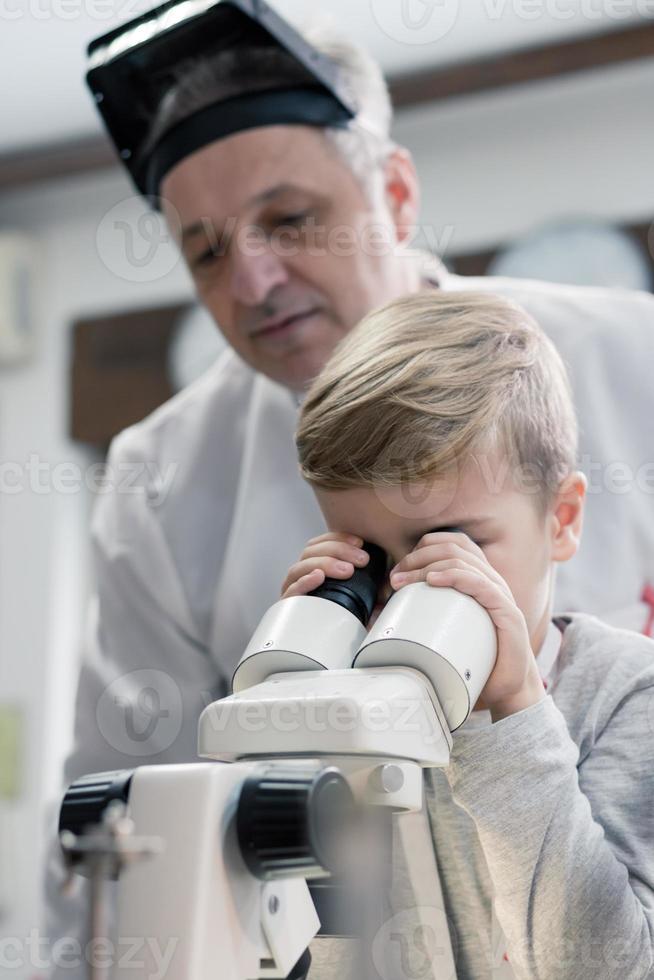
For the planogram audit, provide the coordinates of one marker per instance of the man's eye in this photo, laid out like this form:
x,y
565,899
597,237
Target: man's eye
x,y
294,219
205,258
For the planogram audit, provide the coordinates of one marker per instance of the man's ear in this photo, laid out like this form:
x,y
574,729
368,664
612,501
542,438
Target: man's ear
x,y
402,192
567,516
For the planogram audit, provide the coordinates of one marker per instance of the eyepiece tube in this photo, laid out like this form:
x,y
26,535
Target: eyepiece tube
x,y
357,594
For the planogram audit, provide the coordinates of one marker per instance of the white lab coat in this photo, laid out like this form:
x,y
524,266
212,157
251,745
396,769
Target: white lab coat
x,y
183,581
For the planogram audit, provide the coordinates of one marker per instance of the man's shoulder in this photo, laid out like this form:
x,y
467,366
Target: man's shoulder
x,y
600,667
543,291
178,448
209,403
551,303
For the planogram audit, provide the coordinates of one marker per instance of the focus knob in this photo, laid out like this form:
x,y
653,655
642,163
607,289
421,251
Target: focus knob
x,y
88,797
289,821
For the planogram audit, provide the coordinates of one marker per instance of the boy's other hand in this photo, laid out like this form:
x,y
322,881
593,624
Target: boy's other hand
x,y
330,555
450,559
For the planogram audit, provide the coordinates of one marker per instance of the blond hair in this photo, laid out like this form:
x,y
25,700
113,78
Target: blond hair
x,y
429,378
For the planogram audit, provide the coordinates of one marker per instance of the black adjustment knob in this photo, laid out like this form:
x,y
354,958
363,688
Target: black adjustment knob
x,y
89,796
289,821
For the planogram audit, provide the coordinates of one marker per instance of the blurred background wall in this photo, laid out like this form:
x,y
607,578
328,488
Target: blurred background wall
x,y
495,165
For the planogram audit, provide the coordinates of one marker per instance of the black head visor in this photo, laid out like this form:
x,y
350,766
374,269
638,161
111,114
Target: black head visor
x,y
134,67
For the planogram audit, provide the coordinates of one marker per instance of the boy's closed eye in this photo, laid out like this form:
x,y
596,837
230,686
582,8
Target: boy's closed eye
x,y
420,541
439,545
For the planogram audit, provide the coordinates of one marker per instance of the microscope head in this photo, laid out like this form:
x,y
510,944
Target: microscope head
x,y
431,649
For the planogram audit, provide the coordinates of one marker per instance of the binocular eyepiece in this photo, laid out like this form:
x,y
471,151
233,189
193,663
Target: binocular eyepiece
x,y
358,594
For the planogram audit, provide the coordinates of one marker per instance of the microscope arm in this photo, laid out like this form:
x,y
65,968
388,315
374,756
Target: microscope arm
x,y
199,906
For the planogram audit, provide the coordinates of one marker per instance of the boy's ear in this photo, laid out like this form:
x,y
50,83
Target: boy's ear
x,y
568,515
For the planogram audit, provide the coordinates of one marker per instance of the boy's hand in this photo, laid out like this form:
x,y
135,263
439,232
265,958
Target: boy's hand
x,y
450,559
331,555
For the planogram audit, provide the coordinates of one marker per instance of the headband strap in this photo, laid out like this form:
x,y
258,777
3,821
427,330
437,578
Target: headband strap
x,y
309,106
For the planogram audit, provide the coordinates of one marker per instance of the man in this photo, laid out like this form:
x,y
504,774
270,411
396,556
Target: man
x,y
292,232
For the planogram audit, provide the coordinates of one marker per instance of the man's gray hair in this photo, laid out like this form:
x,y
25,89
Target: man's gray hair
x,y
367,141
363,145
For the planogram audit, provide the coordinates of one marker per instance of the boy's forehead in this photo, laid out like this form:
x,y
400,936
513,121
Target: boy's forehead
x,y
402,511
472,496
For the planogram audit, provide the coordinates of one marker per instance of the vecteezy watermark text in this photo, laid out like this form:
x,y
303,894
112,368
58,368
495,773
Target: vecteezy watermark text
x,y
41,477
397,471
338,715
137,245
416,22
66,10
406,21
37,952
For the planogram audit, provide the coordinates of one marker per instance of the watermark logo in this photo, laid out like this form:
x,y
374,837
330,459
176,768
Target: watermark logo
x,y
415,21
415,944
404,482
136,243
140,713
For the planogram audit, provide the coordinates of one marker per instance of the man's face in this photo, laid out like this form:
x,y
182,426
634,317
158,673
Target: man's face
x,y
286,251
516,537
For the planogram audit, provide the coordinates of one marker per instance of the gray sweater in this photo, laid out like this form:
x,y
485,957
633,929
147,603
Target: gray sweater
x,y
543,831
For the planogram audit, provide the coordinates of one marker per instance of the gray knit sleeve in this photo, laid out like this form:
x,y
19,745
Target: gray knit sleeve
x,y
569,846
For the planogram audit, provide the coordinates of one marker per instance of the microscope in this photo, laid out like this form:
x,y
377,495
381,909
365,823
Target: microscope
x,y
284,834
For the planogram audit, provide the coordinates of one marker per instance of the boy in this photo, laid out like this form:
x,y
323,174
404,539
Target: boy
x,y
442,429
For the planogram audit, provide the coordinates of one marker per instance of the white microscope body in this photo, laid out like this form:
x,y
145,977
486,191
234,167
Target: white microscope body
x,y
321,710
